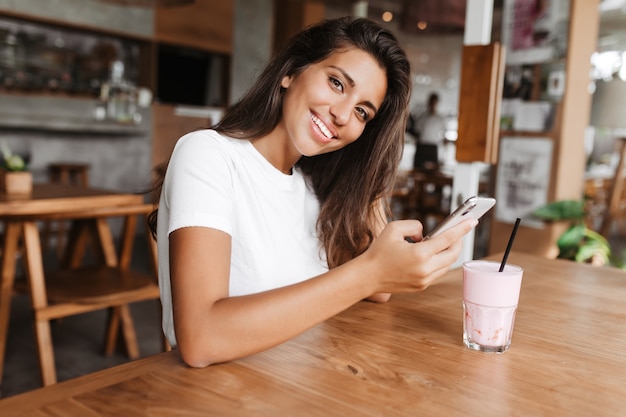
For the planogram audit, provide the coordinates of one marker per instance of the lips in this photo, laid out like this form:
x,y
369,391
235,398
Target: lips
x,y
322,127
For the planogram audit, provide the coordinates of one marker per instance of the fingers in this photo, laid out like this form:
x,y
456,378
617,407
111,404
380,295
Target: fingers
x,y
439,261
452,235
415,266
432,277
448,256
439,253
402,229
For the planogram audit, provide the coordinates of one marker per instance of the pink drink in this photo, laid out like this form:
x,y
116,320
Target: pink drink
x,y
490,301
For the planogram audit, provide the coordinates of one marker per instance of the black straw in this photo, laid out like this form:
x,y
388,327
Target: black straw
x,y
508,246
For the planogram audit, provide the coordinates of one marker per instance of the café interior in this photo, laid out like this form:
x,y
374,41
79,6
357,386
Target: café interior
x,y
95,93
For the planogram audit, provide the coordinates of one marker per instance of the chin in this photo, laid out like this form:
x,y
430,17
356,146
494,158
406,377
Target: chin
x,y
312,150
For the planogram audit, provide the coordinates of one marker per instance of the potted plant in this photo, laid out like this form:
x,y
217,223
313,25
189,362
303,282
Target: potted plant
x,y
14,175
578,242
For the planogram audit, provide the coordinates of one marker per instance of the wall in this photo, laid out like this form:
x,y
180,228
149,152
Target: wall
x,y
124,161
252,43
137,21
63,129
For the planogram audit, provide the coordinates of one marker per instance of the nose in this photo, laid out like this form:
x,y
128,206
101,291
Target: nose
x,y
340,110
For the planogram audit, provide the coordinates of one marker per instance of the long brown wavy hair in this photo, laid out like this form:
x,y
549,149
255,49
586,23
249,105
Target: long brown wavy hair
x,y
349,183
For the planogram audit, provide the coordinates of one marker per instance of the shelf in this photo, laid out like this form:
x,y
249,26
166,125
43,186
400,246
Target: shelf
x,y
70,125
527,133
42,113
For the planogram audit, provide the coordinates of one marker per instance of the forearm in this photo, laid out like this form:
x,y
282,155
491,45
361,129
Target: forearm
x,y
234,327
213,327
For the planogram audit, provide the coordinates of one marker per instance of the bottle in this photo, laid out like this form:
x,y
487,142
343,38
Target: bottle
x,y
119,95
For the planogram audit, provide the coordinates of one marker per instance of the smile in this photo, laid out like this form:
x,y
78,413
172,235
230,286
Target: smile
x,y
322,127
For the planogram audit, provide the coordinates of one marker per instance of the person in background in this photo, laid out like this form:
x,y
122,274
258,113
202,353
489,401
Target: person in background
x,y
275,219
430,129
430,125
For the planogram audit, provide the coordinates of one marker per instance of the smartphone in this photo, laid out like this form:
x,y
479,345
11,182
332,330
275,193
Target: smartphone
x,y
472,208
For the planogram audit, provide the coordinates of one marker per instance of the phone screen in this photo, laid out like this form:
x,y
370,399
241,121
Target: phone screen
x,y
472,208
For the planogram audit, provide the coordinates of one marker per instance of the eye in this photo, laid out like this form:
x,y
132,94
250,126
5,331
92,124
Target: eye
x,y
363,114
335,82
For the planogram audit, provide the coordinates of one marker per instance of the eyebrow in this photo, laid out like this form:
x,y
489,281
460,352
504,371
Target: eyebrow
x,y
351,82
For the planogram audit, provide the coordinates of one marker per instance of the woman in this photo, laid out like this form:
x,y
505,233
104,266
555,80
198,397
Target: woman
x,y
274,220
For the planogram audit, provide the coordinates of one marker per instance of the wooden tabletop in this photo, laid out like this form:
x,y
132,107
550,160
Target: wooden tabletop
x,y
52,198
403,358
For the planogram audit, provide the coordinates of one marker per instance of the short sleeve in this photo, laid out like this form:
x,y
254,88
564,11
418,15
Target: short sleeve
x,y
198,184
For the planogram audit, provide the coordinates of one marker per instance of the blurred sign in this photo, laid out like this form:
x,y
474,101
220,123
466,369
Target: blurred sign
x,y
535,31
523,178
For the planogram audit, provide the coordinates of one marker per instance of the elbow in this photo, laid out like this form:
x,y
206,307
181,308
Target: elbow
x,y
203,353
196,355
193,359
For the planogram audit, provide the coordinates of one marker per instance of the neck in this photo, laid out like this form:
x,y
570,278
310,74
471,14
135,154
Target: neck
x,y
278,150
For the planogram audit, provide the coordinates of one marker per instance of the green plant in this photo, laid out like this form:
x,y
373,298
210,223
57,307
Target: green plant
x,y
11,161
578,242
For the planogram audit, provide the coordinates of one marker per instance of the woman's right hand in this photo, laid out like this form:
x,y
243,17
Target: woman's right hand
x,y
398,265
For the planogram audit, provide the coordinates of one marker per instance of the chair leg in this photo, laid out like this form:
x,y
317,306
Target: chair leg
x,y
128,330
121,319
32,251
7,279
113,328
46,353
60,232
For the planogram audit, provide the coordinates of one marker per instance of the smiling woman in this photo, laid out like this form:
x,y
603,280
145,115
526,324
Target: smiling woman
x,y
275,219
339,95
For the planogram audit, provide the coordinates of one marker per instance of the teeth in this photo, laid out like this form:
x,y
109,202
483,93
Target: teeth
x,y
322,127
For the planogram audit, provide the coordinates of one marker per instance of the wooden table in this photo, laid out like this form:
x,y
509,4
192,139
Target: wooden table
x,y
20,214
403,358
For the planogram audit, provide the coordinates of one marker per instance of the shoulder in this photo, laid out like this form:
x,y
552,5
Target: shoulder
x,y
204,154
205,138
207,143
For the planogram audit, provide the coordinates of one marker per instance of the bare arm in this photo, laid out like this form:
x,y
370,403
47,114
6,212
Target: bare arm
x,y
379,222
212,327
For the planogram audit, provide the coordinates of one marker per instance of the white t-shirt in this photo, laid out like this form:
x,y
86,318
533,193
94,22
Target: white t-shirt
x,y
432,128
226,184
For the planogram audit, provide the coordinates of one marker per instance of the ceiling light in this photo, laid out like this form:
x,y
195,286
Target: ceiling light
x,y
387,16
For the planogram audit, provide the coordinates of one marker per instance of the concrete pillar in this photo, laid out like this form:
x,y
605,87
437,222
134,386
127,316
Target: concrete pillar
x,y
252,43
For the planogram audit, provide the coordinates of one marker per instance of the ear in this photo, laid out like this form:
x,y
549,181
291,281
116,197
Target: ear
x,y
286,81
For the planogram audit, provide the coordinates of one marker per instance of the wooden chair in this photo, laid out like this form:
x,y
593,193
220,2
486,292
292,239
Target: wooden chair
x,y
430,198
402,191
108,281
616,203
74,173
